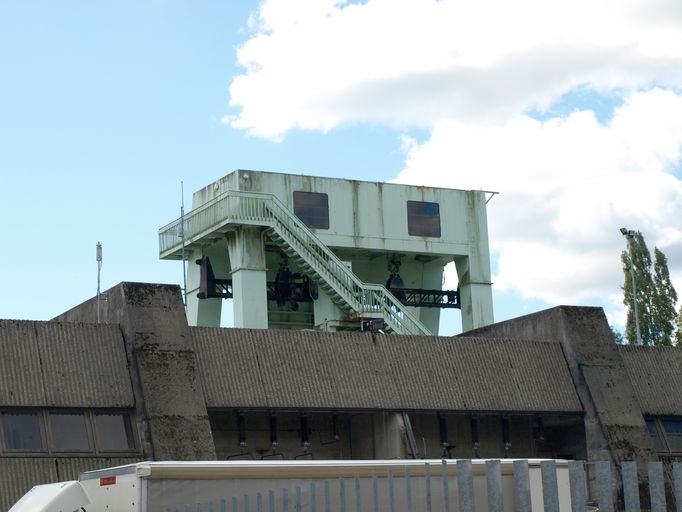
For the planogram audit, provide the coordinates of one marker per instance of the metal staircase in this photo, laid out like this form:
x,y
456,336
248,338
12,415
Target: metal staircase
x,y
354,298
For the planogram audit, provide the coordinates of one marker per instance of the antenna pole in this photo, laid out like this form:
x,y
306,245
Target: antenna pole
x,y
98,256
182,238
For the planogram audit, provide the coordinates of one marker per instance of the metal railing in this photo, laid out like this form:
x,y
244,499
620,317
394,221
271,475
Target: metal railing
x,y
253,208
460,486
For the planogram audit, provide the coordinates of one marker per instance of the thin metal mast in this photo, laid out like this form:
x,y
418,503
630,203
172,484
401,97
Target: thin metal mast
x,y
182,238
98,256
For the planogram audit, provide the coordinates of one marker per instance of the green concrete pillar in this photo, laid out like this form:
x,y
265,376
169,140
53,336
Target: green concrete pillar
x,y
205,312
249,280
473,270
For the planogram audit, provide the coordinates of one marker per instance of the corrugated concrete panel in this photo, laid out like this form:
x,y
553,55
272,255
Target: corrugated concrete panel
x,y
57,364
300,369
228,367
656,376
84,365
21,382
291,369
480,374
19,475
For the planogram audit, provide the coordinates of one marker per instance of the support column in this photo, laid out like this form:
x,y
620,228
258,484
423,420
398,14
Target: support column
x,y
249,280
473,270
205,312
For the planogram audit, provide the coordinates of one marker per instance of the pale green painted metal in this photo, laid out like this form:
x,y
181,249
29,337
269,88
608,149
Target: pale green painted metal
x,y
257,209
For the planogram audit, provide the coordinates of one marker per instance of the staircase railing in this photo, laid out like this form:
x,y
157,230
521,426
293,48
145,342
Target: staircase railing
x,y
261,209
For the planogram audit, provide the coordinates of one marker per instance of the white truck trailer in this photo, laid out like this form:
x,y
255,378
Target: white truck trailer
x,y
244,486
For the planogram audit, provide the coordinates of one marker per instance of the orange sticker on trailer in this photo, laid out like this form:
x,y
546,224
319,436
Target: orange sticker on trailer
x,y
107,480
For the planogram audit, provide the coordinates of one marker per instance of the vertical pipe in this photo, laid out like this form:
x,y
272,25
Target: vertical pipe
x,y
443,430
506,440
241,430
474,435
273,432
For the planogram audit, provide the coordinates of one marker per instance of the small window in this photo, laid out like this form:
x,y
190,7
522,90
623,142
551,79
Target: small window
x,y
69,432
312,208
673,433
22,431
423,219
114,432
655,437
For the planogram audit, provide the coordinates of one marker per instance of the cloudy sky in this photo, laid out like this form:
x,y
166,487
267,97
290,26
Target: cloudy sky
x,y
572,111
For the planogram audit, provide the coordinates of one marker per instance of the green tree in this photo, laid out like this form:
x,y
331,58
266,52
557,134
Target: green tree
x,y
656,296
617,336
678,332
644,284
663,300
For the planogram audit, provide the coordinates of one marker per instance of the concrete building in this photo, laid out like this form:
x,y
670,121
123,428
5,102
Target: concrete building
x,y
143,384
303,252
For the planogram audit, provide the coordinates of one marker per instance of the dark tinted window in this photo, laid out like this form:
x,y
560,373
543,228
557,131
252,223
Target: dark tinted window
x,y
114,432
22,431
655,437
69,433
673,432
312,209
423,219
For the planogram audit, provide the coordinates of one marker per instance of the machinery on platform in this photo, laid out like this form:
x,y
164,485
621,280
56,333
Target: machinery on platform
x,y
301,252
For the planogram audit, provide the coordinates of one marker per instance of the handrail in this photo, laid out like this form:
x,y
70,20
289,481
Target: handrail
x,y
267,210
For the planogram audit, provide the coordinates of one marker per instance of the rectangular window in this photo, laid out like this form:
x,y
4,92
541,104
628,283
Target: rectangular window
x,y
673,433
114,432
312,208
423,219
22,431
655,437
69,432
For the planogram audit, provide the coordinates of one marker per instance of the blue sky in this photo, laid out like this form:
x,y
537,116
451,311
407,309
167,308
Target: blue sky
x,y
105,108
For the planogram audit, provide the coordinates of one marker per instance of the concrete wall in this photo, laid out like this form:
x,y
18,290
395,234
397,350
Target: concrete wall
x,y
170,409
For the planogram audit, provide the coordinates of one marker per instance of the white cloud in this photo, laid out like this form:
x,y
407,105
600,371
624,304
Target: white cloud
x,y
566,186
470,72
318,64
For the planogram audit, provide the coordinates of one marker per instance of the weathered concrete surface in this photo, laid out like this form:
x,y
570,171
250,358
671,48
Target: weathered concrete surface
x,y
614,424
170,408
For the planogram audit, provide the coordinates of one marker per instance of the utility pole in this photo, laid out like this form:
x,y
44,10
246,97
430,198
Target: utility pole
x,y
98,256
629,235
